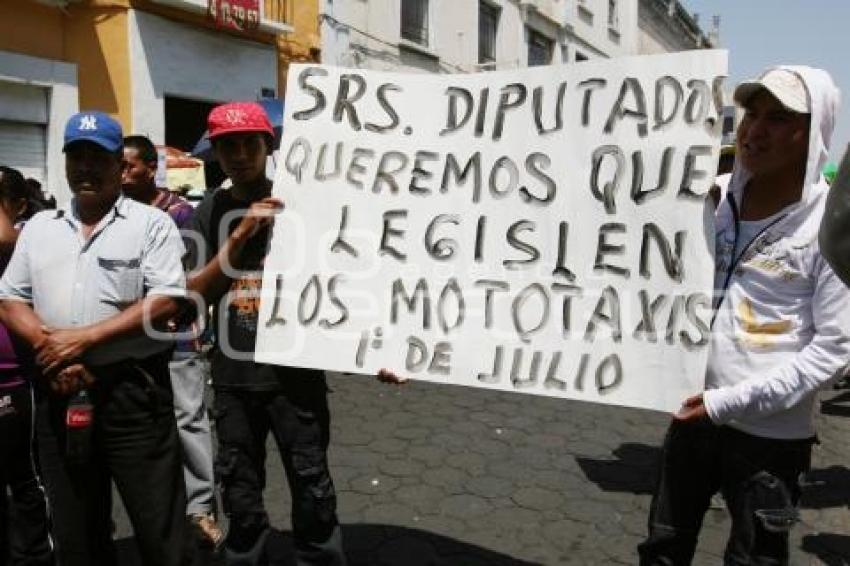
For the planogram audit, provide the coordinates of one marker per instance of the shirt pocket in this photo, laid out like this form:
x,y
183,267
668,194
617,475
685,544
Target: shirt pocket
x,y
120,280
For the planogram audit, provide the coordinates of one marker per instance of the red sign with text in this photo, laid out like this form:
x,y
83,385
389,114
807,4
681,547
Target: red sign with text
x,y
235,14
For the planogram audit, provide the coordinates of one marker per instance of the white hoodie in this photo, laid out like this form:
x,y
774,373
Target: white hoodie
x,y
781,328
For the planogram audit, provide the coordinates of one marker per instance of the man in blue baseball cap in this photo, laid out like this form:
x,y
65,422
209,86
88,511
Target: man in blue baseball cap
x,y
111,270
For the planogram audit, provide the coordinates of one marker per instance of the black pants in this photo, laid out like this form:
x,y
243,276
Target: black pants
x,y
297,416
30,543
134,443
758,477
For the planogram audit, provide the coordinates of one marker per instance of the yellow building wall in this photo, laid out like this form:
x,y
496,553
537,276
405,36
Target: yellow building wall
x,y
32,29
92,34
96,37
302,45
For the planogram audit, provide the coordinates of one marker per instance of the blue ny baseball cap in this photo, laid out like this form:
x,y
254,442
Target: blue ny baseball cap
x,y
95,127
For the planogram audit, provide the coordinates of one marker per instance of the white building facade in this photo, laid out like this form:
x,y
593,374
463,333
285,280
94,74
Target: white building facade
x,y
460,36
175,64
665,26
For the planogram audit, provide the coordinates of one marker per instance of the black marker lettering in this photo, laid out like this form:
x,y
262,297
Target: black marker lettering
x,y
480,231
608,301
696,108
335,301
496,374
648,311
386,174
691,173
673,320
340,243
603,248
399,292
489,287
559,110
417,354
504,163
534,164
453,170
453,288
514,241
293,166
355,167
523,332
444,248
694,301
673,262
441,359
569,291
456,94
389,232
552,381
420,173
611,362
321,174
318,96
316,286
345,101
387,107
513,95
662,85
276,318
619,111
608,193
589,85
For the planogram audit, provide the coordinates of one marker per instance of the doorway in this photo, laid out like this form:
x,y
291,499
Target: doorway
x,y
185,123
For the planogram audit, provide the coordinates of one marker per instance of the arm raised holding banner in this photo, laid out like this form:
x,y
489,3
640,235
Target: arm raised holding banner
x,y
233,227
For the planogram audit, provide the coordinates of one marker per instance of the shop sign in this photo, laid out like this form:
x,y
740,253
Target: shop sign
x,y
238,15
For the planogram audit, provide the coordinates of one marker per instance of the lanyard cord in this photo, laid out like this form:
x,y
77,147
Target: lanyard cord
x,y
736,217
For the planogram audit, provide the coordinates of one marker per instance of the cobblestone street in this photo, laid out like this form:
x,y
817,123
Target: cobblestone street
x,y
442,475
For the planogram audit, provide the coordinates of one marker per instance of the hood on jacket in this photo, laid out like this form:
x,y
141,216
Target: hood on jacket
x,y
824,98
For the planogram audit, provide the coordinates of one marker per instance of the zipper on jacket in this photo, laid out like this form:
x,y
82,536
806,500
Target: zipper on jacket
x,y
733,264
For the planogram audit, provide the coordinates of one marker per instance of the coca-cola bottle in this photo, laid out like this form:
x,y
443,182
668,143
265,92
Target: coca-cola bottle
x,y
79,423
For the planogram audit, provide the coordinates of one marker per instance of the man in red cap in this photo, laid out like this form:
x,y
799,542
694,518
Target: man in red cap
x,y
254,399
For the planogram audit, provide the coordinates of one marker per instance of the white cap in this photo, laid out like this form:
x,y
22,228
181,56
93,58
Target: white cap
x,y
784,85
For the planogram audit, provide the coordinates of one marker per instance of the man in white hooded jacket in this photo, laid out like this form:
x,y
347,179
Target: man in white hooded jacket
x,y
779,333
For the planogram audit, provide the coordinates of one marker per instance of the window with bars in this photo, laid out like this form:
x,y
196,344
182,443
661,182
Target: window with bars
x,y
414,21
539,49
488,25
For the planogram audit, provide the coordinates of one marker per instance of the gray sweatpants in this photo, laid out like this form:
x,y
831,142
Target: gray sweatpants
x,y
189,373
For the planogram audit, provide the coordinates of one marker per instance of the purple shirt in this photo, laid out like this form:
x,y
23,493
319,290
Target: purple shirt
x,y
181,213
11,368
176,207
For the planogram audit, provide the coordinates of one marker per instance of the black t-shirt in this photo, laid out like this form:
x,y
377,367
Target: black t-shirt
x,y
235,315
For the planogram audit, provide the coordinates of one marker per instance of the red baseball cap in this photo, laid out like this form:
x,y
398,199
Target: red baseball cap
x,y
237,118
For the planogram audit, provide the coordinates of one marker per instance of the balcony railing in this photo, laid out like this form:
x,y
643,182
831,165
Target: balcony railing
x,y
276,11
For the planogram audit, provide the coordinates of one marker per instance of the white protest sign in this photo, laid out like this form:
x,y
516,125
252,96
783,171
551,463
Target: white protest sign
x,y
542,230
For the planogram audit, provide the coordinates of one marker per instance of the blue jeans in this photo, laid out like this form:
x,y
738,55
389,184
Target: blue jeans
x,y
758,477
